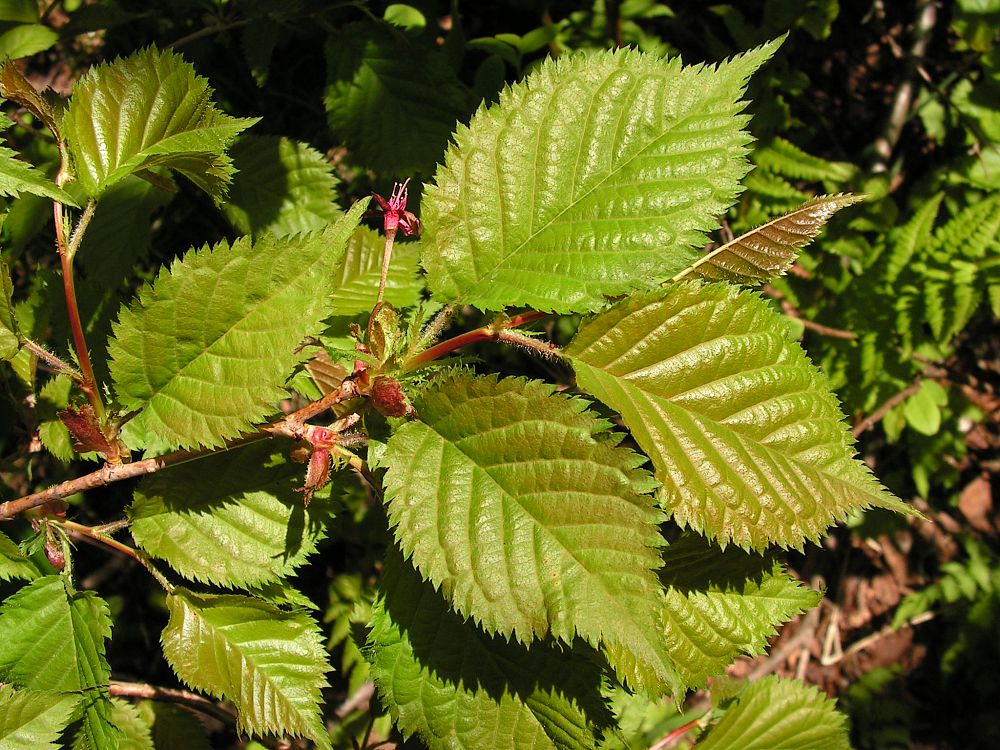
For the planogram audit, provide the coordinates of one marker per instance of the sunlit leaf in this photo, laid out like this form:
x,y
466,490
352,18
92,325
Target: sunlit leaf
x,y
207,348
31,720
595,176
774,713
233,519
172,122
746,437
531,521
770,249
270,664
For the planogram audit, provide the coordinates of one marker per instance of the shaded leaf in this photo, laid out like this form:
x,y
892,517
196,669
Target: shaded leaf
x,y
26,39
530,520
18,177
393,100
135,729
773,713
785,158
207,348
31,720
13,564
173,728
53,640
282,187
593,177
10,342
746,437
451,684
172,123
720,604
233,518
770,249
357,281
270,664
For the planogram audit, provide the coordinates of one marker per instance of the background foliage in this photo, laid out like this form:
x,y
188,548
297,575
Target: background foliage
x,y
897,304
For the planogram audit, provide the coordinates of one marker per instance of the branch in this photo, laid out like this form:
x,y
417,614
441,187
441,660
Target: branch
x,y
484,333
155,693
901,104
290,426
793,312
876,416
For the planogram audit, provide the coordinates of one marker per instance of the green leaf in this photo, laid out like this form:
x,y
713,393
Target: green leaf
x,y
593,177
26,39
744,433
394,100
22,11
282,187
357,281
770,249
912,237
923,408
10,342
720,604
532,522
233,518
135,729
31,720
785,158
172,123
53,640
270,664
446,681
207,348
776,714
18,177
13,564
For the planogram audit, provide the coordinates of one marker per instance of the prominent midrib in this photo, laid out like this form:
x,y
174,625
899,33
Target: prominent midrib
x,y
674,126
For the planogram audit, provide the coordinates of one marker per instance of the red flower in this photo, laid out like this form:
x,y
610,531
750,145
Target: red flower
x,y
395,213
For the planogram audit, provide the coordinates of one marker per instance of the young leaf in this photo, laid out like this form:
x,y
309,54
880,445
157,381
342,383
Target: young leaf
x,y
720,604
446,681
53,640
774,713
242,501
357,281
770,249
10,342
746,437
18,177
282,187
394,100
14,565
530,520
148,110
135,729
594,176
208,346
270,664
31,720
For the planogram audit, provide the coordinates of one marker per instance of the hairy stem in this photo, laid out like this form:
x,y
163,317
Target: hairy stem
x,y
67,249
51,359
483,333
390,236
96,534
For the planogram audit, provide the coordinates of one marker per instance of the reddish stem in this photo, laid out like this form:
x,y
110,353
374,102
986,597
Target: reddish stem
x,y
675,735
483,333
66,252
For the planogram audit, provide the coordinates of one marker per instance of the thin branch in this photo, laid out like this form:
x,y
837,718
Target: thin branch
x,y
885,144
484,333
793,312
51,359
879,414
671,737
219,711
208,31
290,426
